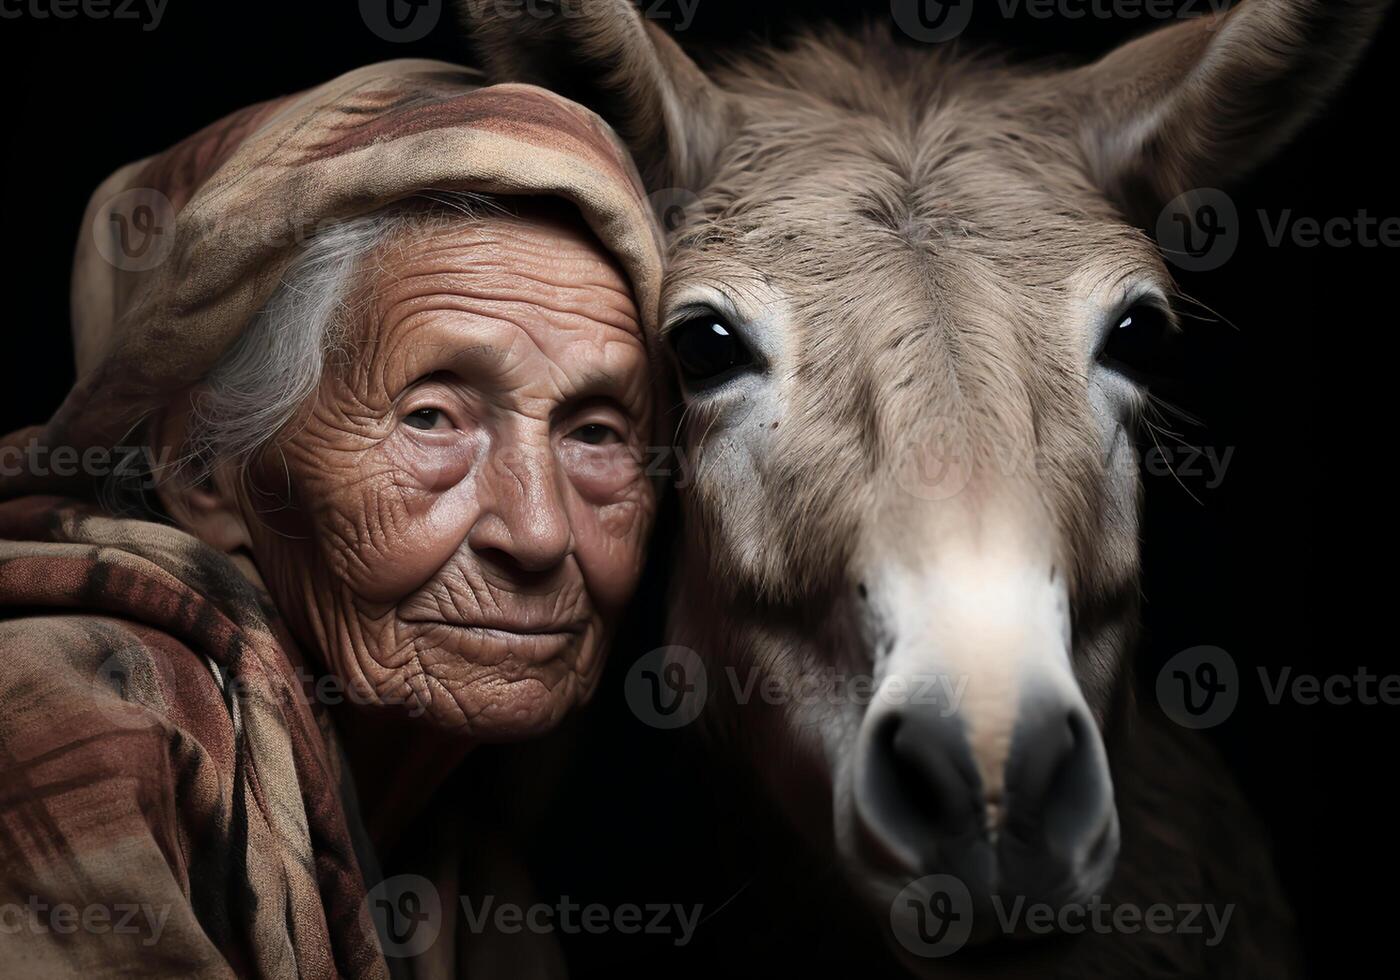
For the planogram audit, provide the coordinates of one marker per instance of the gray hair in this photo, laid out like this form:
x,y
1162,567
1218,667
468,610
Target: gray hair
x,y
247,400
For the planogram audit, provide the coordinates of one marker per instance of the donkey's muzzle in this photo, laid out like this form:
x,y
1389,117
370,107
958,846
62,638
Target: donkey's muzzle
x,y
1047,834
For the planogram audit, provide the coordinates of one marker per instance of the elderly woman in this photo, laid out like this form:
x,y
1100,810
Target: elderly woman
x,y
385,342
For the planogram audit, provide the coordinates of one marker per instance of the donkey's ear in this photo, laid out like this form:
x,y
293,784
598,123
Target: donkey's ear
x,y
605,55
1200,103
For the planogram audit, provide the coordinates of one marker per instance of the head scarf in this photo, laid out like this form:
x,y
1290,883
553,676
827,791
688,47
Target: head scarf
x,y
180,251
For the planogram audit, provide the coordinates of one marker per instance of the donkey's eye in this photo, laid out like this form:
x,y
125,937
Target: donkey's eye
x,y
1143,345
708,351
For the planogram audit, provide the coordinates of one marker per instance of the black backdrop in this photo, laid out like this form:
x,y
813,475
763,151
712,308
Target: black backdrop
x,y
1238,565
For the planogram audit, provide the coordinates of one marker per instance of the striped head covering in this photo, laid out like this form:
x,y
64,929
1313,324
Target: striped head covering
x,y
179,251
158,748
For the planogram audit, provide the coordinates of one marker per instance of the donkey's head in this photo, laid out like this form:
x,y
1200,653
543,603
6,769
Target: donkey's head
x,y
910,308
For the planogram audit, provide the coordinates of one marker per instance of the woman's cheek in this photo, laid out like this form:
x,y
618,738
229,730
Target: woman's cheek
x,y
611,536
611,544
602,474
420,518
431,463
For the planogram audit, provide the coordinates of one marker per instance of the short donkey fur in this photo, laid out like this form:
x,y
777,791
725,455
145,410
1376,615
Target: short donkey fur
x,y
924,251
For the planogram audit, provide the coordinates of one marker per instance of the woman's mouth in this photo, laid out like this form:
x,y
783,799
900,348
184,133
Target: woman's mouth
x,y
533,644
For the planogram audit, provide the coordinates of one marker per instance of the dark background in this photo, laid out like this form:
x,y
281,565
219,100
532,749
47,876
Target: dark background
x,y
1240,566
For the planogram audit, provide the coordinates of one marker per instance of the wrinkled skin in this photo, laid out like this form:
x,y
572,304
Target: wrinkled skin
x,y
459,516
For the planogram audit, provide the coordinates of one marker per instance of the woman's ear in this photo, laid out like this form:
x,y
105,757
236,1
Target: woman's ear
x,y
208,507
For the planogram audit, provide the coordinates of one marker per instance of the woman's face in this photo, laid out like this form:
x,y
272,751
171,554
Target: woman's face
x,y
469,510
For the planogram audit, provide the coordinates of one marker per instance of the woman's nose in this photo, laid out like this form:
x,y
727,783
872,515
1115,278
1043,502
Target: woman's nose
x,y
523,524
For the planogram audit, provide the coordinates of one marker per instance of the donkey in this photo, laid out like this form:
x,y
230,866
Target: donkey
x,y
910,306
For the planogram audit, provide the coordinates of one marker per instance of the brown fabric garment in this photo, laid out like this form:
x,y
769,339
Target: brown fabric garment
x,y
159,753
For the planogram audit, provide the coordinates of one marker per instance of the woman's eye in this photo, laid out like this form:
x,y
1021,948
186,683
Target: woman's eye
x,y
596,434
708,351
426,418
1142,345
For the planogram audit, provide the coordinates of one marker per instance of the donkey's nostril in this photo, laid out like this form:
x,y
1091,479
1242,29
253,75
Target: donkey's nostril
x,y
933,769
1061,828
1058,792
920,799
919,786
